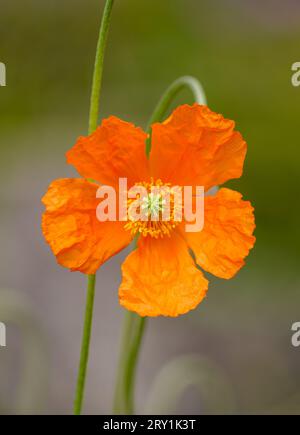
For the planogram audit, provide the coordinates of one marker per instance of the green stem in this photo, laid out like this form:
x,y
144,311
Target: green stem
x,y
131,341
134,325
98,68
138,328
85,344
161,109
93,122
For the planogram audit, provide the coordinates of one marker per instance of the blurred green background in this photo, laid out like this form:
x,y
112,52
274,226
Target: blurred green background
x,y
242,52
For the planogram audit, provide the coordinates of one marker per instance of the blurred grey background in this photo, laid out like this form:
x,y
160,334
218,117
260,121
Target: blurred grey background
x,y
242,52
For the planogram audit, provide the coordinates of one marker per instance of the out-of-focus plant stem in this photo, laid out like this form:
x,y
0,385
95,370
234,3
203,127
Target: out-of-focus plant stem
x,y
133,331
134,325
93,122
160,110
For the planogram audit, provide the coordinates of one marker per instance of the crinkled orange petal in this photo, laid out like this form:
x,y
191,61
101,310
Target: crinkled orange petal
x,y
70,226
160,278
227,236
196,146
115,150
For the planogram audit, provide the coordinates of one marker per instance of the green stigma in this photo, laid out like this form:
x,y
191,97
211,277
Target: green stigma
x,y
153,204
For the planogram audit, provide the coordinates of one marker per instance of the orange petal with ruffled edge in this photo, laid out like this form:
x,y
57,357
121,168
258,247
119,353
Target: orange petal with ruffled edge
x,y
115,150
70,226
226,238
196,146
160,278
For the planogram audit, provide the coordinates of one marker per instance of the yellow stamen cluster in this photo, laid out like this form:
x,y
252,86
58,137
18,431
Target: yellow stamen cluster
x,y
151,220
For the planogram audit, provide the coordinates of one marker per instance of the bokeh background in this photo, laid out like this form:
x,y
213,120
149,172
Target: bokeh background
x,y
232,354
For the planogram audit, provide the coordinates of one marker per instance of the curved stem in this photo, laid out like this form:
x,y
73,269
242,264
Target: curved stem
x,y
93,122
160,110
134,325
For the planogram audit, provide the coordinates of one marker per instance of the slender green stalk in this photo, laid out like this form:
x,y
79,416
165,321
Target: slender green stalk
x,y
93,122
138,328
133,331
98,68
87,329
119,399
160,110
134,325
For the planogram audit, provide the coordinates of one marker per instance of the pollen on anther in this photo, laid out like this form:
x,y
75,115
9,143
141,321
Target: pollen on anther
x,y
155,211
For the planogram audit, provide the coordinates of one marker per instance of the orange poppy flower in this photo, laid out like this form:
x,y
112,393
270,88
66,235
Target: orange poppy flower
x,y
194,146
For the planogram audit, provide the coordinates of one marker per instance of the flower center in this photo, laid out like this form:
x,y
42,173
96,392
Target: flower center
x,y
153,204
153,210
